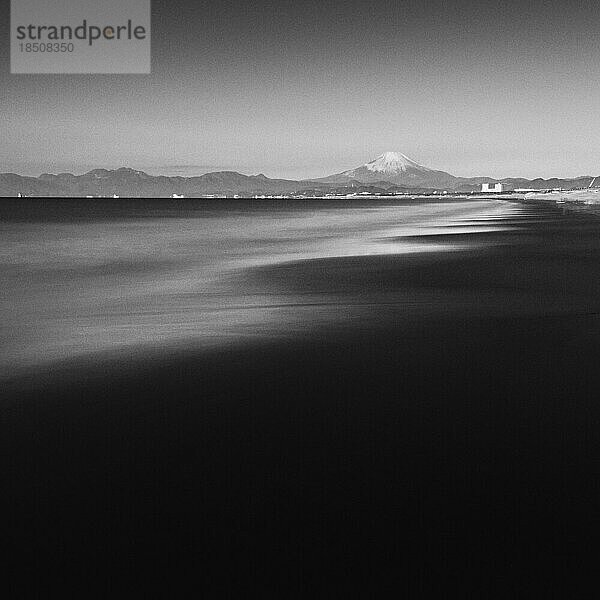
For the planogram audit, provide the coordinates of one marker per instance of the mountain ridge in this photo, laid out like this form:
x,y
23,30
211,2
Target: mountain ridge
x,y
391,172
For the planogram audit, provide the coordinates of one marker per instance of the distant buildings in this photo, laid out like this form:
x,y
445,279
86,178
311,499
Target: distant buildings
x,y
488,188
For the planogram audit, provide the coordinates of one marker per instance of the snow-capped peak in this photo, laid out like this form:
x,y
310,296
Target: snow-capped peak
x,y
393,162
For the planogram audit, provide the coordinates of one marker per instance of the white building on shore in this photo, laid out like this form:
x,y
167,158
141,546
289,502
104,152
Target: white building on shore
x,y
488,188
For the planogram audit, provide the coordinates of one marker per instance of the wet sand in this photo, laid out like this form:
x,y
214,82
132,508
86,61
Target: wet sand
x,y
441,435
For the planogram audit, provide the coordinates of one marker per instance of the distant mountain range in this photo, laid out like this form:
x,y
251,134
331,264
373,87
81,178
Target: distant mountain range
x,y
392,172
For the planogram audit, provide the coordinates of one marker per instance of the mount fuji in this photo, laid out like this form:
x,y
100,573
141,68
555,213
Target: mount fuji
x,y
396,168
390,163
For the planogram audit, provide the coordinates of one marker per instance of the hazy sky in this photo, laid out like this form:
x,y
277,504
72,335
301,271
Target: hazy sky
x,y
309,88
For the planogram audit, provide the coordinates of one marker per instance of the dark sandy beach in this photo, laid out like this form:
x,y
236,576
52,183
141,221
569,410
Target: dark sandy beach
x,y
442,436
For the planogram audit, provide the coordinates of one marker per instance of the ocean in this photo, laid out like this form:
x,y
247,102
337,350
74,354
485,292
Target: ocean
x,y
375,393
81,280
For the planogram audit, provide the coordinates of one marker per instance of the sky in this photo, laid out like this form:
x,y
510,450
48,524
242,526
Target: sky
x,y
306,89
